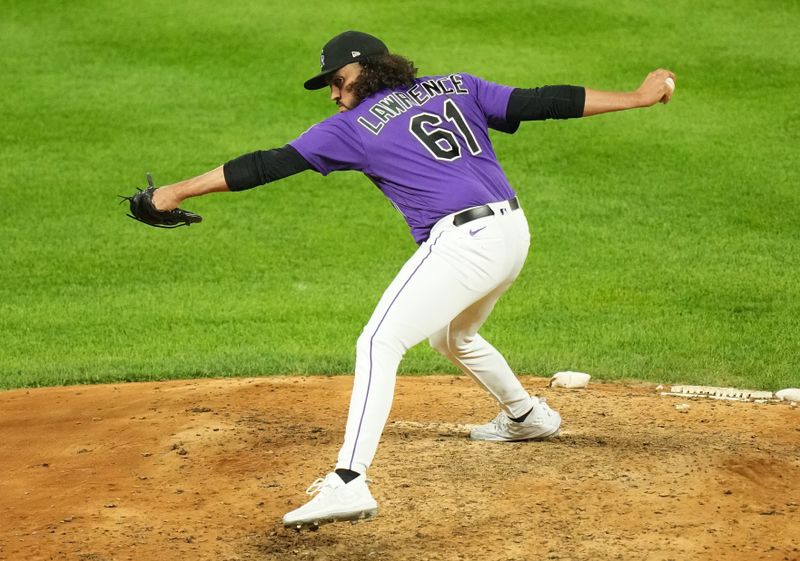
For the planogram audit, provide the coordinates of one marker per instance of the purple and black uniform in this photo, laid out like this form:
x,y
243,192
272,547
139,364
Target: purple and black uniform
x,y
426,147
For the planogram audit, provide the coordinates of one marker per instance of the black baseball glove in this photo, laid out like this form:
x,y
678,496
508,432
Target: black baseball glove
x,y
143,210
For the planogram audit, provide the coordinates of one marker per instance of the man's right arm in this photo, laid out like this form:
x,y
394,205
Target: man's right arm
x,y
244,172
654,89
569,102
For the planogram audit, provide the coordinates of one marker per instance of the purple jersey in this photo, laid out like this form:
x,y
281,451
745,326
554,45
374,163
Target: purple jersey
x,y
426,147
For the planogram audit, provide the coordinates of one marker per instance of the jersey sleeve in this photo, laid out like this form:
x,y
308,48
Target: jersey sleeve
x,y
331,145
493,100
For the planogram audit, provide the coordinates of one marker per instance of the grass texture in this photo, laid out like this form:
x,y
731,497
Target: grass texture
x,y
666,241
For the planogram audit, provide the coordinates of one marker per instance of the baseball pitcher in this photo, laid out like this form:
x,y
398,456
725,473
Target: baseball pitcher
x,y
424,142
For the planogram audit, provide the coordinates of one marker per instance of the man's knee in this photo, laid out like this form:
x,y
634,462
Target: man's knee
x,y
450,342
385,340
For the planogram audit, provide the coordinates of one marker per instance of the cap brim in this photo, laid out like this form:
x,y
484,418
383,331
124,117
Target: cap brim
x,y
319,81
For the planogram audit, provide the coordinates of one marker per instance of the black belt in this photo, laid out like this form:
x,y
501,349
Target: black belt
x,y
480,212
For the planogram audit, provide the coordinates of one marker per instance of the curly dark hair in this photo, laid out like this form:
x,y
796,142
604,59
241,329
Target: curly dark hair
x,y
379,72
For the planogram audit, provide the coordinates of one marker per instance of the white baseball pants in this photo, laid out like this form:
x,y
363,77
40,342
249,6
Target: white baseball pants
x,y
443,293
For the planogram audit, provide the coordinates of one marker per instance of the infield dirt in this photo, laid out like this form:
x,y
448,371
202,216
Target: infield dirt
x,y
205,470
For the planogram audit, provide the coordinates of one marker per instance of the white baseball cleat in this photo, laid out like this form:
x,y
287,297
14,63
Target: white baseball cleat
x,y
542,423
335,501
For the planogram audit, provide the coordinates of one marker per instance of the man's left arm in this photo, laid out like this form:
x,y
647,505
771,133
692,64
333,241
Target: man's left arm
x,y
244,172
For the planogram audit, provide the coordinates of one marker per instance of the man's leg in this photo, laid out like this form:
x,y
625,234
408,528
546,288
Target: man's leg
x,y
523,417
451,271
460,343
445,276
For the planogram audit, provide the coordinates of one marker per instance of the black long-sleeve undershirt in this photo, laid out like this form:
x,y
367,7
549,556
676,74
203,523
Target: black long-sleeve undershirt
x,y
263,166
538,104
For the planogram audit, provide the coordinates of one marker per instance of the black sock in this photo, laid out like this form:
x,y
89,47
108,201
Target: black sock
x,y
347,475
518,419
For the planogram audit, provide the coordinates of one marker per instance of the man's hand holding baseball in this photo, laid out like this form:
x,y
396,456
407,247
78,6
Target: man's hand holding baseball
x,y
655,88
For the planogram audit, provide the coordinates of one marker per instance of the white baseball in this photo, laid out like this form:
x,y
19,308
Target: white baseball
x,y
670,83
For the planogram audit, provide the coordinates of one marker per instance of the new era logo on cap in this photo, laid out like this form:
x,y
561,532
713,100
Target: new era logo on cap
x,y
354,54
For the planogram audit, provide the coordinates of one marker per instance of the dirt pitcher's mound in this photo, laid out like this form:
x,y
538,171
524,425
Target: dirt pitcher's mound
x,y
205,470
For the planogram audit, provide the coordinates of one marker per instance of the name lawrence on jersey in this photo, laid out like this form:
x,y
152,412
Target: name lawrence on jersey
x,y
398,103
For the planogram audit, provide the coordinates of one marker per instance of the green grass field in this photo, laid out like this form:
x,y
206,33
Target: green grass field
x,y
667,241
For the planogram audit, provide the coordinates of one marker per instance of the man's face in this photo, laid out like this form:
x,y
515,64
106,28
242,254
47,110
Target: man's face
x,y
341,84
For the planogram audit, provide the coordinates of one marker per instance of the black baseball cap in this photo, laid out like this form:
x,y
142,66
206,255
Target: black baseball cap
x,y
347,47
